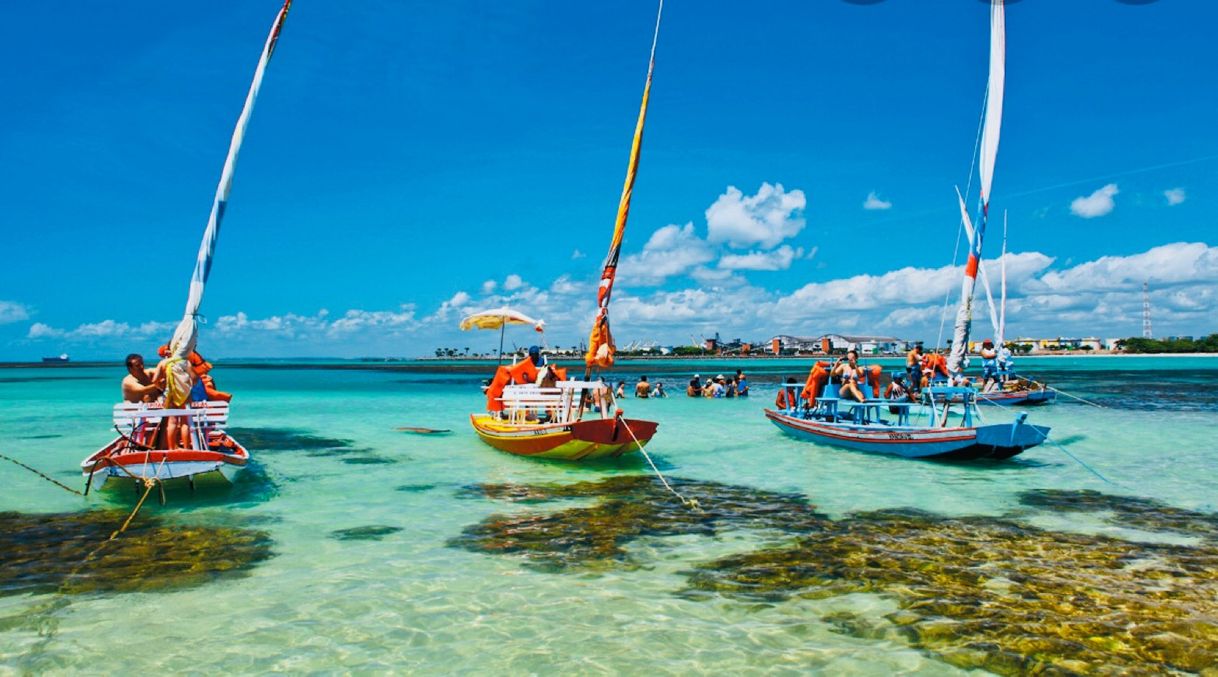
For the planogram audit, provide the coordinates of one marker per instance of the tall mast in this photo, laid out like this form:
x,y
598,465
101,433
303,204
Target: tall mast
x,y
186,334
957,360
1146,309
600,341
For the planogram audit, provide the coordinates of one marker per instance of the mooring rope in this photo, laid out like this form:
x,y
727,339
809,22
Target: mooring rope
x,y
44,476
691,503
1076,459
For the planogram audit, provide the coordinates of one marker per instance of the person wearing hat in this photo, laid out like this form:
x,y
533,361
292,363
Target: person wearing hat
x,y
898,390
719,389
694,389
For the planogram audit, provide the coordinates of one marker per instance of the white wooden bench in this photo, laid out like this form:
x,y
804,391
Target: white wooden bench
x,y
562,401
131,414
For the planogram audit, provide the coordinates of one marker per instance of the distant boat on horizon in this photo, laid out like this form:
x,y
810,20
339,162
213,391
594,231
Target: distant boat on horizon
x,y
56,360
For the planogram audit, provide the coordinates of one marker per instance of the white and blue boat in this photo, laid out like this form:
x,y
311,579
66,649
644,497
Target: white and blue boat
x,y
943,429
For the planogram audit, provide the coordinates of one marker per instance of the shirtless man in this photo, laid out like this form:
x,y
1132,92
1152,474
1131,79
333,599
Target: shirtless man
x,y
642,389
913,367
138,384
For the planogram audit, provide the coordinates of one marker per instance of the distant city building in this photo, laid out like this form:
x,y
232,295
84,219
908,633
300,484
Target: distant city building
x,y
794,345
867,345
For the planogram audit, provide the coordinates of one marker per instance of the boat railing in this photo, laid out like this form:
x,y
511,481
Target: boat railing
x,y
562,403
939,400
128,414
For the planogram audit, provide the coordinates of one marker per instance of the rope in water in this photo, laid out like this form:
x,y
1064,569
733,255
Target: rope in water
x,y
691,503
44,476
1076,459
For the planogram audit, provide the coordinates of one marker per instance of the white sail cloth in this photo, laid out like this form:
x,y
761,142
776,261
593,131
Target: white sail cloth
x,y
185,335
991,129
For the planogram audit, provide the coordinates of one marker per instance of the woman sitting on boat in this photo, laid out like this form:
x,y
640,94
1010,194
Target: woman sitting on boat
x,y
853,377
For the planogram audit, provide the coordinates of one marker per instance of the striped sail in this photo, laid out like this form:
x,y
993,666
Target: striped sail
x,y
186,334
957,361
600,341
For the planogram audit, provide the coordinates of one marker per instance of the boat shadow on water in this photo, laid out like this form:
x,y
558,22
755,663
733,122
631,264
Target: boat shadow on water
x,y
978,592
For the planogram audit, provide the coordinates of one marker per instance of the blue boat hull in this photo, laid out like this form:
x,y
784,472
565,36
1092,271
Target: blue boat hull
x,y
995,442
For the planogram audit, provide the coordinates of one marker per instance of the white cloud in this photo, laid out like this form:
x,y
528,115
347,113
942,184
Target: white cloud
x,y
1174,196
873,202
779,259
11,311
1098,297
512,282
1096,204
577,254
106,329
39,330
1176,263
670,251
764,219
489,286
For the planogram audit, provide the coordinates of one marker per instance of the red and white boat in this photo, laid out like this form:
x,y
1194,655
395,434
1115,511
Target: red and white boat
x,y
139,452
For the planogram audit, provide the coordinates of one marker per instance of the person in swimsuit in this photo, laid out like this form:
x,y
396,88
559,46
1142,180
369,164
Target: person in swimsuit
x,y
138,385
853,377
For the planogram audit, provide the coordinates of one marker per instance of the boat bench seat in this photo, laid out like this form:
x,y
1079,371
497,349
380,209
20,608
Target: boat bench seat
x,y
129,414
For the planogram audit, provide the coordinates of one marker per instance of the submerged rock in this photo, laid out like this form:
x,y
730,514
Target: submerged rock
x,y
629,507
283,439
372,532
1146,514
68,552
978,592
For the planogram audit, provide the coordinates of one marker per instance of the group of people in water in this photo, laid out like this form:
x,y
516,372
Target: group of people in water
x,y
171,388
733,386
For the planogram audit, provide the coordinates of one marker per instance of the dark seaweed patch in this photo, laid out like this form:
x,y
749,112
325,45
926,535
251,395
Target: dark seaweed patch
x,y
283,439
1146,514
978,592
39,552
373,532
368,460
416,488
996,595
629,507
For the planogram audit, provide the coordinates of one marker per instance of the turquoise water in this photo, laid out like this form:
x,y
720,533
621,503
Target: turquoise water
x,y
407,593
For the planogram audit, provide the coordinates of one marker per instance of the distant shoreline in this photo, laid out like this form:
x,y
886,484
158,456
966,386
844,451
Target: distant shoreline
x,y
356,362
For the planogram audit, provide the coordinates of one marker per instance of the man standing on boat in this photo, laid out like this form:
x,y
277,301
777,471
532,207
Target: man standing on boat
x,y
138,385
913,367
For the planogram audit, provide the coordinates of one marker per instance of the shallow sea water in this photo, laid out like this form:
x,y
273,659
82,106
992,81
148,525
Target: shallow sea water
x,y
371,564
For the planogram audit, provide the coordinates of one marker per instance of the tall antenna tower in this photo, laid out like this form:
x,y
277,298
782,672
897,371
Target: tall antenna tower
x,y
1146,310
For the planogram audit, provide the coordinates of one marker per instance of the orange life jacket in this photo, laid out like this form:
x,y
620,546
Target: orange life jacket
x,y
815,385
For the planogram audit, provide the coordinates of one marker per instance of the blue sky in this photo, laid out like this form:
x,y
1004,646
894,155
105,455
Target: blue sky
x,y
405,156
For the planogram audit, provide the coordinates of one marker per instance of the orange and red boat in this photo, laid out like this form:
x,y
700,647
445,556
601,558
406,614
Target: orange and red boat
x,y
556,423
533,409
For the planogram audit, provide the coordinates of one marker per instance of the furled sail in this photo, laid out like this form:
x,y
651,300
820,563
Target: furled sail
x,y
957,361
600,341
186,334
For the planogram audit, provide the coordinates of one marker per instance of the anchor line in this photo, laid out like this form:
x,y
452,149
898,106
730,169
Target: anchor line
x,y
691,503
1076,459
39,473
